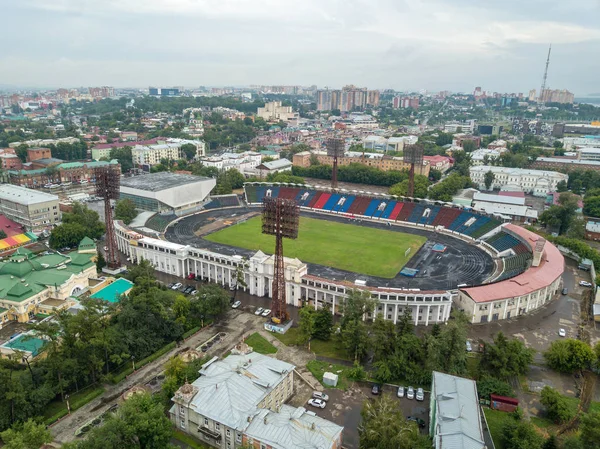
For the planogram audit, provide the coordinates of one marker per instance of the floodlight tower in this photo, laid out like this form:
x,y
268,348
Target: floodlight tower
x,y
108,181
280,217
413,155
543,88
335,148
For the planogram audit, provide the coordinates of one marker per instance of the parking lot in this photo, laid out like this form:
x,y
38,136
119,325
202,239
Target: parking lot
x,y
344,408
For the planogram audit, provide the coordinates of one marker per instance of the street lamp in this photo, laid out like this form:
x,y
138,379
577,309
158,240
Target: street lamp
x,y
133,362
68,405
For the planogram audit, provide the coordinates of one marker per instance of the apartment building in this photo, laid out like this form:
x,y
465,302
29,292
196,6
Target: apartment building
x,y
33,209
274,111
243,162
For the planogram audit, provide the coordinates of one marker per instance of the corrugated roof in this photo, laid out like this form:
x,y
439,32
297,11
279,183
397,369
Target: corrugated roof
x,y
550,268
457,417
23,195
292,428
276,164
230,390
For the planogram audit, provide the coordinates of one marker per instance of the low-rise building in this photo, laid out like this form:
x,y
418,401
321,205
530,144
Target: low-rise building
x,y
33,154
440,163
565,164
33,209
536,182
454,414
484,156
243,162
508,207
377,160
592,229
240,401
276,166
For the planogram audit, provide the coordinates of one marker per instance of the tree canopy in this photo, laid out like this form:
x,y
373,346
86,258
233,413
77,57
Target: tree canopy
x,y
125,210
569,355
79,223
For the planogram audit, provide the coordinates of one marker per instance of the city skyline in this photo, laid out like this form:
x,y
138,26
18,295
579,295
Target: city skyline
x,y
405,46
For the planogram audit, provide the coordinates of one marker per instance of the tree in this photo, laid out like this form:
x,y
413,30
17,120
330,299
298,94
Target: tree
x,y
214,299
306,325
421,185
314,160
140,422
569,355
590,430
591,206
67,235
323,323
384,427
2,234
355,338
435,175
446,352
505,358
557,407
27,435
124,156
100,262
488,179
561,186
521,435
490,385
125,210
561,217
189,150
469,146
143,270
557,144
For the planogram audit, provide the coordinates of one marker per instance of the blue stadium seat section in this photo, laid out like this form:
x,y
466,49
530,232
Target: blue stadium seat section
x,y
372,207
332,201
416,213
503,241
459,221
433,211
302,194
388,209
347,203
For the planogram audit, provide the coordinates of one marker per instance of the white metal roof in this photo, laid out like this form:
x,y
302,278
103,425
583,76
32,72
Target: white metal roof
x,y
457,417
293,428
230,390
517,201
23,195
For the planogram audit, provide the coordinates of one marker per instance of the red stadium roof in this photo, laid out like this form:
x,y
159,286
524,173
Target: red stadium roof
x,y
550,268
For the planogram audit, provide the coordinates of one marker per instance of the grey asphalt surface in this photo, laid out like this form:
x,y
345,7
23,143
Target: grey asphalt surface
x,y
461,263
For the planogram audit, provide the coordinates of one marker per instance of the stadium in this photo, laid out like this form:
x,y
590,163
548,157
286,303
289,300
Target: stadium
x,y
408,253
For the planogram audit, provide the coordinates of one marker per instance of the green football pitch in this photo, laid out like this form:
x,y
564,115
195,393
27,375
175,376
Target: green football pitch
x,y
359,249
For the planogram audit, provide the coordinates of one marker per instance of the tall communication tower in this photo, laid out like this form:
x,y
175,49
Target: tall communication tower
x,y
108,181
413,155
541,96
335,149
281,218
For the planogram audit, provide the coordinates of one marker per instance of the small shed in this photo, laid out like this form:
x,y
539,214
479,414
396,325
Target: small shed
x,y
503,403
330,379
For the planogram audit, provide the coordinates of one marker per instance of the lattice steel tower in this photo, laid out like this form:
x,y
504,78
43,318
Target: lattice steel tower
x,y
108,181
413,155
280,217
335,149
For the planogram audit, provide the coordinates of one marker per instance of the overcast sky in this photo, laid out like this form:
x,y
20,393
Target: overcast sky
x,y
500,45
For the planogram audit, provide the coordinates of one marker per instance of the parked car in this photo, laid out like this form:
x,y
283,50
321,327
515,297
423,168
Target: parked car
x,y
565,291
376,389
319,403
194,292
420,396
585,284
320,395
191,276
259,311
400,392
232,287
410,393
562,332
469,347
266,312
419,421
176,286
236,304
171,285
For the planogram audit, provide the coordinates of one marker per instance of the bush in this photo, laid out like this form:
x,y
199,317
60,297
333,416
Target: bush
x,y
191,332
357,372
490,385
569,355
557,407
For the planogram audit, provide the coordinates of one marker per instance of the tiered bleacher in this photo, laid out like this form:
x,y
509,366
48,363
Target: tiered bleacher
x,y
159,222
464,222
513,265
217,202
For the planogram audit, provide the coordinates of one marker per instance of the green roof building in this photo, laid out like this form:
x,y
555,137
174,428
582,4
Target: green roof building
x,y
31,284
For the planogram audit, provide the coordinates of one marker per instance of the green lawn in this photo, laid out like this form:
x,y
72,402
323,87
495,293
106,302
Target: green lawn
x,y
331,348
318,368
188,440
496,420
57,409
359,249
260,345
